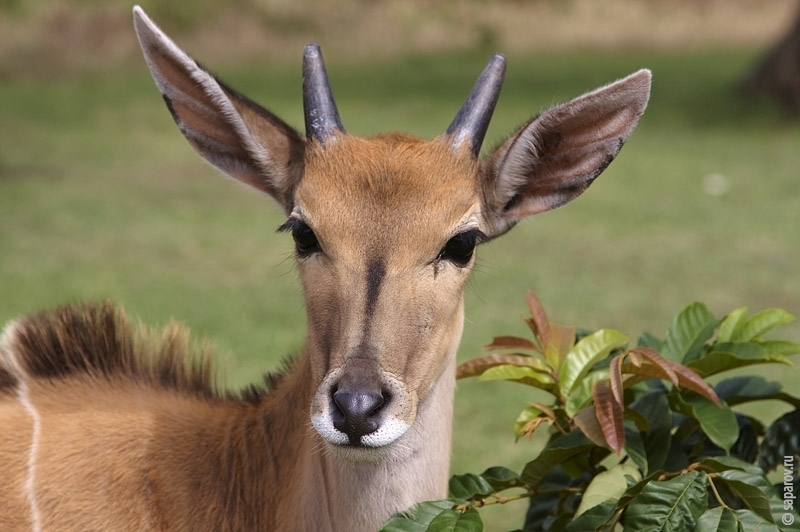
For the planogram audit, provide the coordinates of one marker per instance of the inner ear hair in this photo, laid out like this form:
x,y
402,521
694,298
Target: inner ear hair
x,y
554,157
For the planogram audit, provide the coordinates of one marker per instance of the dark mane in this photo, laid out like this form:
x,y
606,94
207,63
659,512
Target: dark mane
x,y
97,341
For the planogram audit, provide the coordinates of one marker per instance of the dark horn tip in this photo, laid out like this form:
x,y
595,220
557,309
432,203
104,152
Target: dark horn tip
x,y
498,60
312,50
472,120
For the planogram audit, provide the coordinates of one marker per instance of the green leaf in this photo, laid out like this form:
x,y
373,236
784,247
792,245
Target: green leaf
x,y
731,325
718,464
719,424
689,332
581,394
669,505
418,518
750,522
762,322
502,478
780,347
455,521
521,374
586,353
747,388
719,519
655,407
635,449
608,486
728,356
468,486
641,422
753,490
600,518
648,340
477,366
558,450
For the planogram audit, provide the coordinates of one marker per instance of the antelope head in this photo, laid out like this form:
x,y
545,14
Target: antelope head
x,y
385,228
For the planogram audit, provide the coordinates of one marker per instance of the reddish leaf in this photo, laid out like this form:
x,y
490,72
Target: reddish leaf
x,y
609,414
679,374
531,418
647,370
511,342
546,409
615,378
562,339
530,426
586,420
687,378
476,366
538,322
656,359
635,359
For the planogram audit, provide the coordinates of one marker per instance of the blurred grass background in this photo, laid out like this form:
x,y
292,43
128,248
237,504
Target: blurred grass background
x,y
101,197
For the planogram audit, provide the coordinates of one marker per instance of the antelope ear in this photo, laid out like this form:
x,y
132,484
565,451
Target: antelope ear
x,y
228,130
553,158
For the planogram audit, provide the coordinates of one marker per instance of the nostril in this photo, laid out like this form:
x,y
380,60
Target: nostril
x,y
357,413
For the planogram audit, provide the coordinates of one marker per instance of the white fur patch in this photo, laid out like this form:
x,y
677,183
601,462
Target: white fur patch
x,y
389,432
11,363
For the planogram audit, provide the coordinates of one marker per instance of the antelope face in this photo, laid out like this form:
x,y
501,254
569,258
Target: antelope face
x,y
383,277
385,228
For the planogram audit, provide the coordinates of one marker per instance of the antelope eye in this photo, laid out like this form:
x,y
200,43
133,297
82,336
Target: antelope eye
x,y
305,240
460,248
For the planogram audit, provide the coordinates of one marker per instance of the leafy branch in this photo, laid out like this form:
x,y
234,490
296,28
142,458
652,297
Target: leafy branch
x,y
637,436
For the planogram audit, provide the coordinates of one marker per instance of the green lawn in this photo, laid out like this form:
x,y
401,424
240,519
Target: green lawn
x,y
101,197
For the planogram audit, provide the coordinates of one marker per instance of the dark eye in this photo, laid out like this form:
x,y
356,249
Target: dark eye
x,y
305,240
460,248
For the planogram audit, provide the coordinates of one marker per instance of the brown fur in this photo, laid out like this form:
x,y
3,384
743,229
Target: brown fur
x,y
96,343
133,436
185,456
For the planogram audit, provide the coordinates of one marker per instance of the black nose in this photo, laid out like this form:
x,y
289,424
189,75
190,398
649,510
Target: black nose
x,y
357,414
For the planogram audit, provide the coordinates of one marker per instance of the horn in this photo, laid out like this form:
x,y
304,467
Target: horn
x,y
472,120
322,117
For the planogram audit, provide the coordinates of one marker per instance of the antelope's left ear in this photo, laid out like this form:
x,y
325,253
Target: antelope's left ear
x,y
553,158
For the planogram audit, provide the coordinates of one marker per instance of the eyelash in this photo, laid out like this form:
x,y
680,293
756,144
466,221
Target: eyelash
x,y
460,248
305,241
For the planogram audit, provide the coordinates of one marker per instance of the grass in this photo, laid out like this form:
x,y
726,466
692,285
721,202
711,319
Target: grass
x,y
100,197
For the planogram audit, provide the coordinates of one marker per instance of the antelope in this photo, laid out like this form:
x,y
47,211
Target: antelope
x,y
107,428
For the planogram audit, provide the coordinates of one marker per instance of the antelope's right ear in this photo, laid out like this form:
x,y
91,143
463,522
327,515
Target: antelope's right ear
x,y
228,130
553,158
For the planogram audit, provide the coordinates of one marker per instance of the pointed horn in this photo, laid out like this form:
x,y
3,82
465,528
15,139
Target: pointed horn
x,y
322,117
472,120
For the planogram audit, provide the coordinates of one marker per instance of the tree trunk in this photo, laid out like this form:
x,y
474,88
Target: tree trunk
x,y
777,75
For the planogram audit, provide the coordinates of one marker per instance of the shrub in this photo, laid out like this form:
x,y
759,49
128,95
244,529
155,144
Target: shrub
x,y
638,436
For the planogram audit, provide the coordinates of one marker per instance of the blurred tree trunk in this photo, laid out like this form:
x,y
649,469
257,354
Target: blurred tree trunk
x,y
777,75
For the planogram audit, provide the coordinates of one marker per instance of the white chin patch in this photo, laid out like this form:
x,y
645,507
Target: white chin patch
x,y
389,432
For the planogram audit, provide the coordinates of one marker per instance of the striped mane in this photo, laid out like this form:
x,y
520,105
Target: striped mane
x,y
95,342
